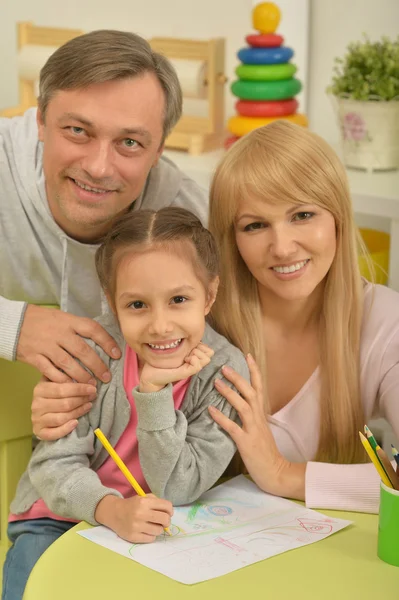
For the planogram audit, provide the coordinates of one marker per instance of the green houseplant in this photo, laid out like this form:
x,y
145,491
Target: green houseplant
x,y
365,88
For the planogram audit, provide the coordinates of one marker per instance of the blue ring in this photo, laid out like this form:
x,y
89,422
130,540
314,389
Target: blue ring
x,y
265,56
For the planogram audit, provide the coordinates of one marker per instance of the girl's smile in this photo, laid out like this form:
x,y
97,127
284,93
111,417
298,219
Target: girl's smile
x,y
166,346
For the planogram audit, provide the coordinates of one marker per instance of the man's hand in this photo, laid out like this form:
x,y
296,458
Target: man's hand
x,y
57,406
138,519
51,340
153,379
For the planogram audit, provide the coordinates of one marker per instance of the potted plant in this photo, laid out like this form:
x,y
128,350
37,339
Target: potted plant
x,y
365,87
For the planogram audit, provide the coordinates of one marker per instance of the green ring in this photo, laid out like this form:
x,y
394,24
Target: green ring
x,y
266,72
266,90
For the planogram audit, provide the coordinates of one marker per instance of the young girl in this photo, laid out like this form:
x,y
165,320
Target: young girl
x,y
159,271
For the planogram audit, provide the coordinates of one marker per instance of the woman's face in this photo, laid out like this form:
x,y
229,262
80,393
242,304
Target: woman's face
x,y
288,248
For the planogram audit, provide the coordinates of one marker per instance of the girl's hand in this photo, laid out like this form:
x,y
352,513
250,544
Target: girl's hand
x,y
153,379
254,440
138,520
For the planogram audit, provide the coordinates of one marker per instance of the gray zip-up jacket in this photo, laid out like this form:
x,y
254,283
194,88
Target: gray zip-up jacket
x,y
39,263
182,452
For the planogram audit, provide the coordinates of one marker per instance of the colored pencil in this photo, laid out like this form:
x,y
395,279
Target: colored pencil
x,y
395,454
119,463
372,441
374,459
388,467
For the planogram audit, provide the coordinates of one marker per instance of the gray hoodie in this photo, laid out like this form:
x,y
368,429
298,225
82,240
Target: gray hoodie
x,y
39,262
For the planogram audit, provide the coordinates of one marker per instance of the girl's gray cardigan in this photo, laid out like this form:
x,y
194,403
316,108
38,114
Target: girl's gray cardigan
x,y
182,452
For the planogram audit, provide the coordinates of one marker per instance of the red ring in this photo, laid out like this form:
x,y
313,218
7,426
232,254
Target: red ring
x,y
228,142
259,108
264,40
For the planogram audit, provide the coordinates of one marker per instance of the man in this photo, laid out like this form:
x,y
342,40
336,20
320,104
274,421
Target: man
x,y
90,152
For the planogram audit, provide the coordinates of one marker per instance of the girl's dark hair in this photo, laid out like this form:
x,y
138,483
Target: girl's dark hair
x,y
143,230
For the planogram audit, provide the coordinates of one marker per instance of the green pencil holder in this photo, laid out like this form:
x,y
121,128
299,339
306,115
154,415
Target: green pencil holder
x,y
388,526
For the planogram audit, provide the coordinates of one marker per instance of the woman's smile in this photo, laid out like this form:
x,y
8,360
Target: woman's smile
x,y
291,271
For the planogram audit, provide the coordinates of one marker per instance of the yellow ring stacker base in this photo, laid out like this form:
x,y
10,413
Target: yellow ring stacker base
x,y
239,125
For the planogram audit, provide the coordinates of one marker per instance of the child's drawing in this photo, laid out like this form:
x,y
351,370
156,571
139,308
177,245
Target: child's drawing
x,y
231,526
228,512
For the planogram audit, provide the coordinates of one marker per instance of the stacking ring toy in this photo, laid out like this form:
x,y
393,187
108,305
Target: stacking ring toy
x,y
264,40
248,108
266,90
266,72
265,56
239,126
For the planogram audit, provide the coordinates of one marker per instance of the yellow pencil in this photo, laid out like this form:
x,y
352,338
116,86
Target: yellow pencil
x,y
119,462
375,460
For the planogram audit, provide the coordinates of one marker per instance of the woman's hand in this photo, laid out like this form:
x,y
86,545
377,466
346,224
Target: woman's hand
x,y
138,520
153,379
254,440
57,406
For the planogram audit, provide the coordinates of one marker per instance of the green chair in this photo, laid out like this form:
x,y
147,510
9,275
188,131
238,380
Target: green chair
x,y
17,381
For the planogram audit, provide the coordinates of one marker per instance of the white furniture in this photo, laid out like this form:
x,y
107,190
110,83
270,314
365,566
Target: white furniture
x,y
375,194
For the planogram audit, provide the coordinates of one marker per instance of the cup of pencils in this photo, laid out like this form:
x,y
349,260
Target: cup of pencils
x,y
388,524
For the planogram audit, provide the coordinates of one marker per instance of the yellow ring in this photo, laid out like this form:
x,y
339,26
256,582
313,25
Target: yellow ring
x,y
239,125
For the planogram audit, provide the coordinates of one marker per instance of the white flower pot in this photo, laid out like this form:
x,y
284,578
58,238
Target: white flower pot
x,y
369,133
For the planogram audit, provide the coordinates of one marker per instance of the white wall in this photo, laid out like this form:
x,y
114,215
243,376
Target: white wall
x,y
333,24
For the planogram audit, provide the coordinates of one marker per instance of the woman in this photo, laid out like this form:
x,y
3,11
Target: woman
x,y
326,341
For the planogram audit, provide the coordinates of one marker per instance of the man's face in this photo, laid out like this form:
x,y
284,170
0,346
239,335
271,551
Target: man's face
x,y
100,143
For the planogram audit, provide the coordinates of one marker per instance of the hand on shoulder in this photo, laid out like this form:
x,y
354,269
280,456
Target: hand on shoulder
x,y
57,406
51,341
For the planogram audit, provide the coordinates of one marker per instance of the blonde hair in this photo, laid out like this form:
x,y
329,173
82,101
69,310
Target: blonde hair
x,y
286,162
108,55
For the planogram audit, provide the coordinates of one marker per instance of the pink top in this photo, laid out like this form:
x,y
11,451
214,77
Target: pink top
x,y
127,447
295,427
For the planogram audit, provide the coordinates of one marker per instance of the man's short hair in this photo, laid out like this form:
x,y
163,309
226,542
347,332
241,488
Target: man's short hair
x,y
109,55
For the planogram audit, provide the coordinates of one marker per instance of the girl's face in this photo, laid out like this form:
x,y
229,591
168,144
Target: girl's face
x,y
288,248
161,305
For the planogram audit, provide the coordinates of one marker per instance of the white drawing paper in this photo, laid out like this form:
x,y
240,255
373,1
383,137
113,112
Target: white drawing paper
x,y
231,526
